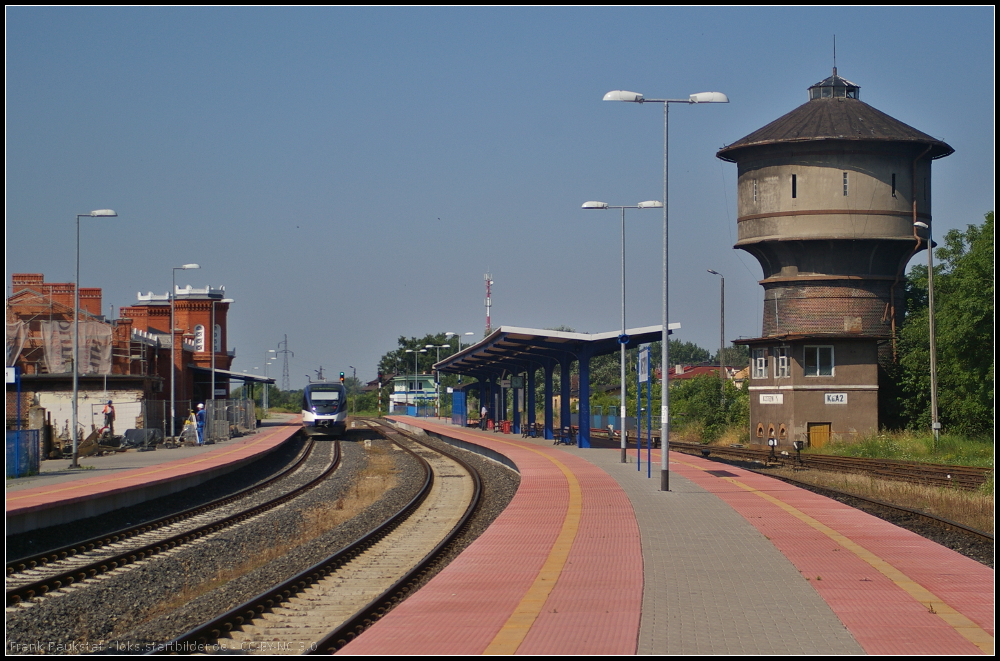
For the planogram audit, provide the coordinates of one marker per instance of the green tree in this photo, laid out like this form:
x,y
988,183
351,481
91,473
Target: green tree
x,y
963,301
700,401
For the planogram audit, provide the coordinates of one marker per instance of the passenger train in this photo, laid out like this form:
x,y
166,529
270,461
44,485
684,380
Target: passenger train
x,y
324,409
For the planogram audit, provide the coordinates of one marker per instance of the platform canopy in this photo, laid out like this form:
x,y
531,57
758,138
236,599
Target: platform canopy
x,y
233,376
509,348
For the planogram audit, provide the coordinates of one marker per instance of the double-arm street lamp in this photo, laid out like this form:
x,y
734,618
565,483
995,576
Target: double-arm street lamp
x,y
414,352
267,362
173,366
623,338
437,377
457,337
635,97
99,213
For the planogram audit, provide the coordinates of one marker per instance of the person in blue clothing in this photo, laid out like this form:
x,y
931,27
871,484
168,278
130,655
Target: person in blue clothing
x,y
200,417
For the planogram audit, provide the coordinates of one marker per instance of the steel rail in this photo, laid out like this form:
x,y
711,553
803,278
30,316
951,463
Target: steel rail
x,y
41,587
408,583
245,613
55,555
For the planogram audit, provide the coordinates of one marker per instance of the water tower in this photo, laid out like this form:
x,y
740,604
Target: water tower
x,y
828,198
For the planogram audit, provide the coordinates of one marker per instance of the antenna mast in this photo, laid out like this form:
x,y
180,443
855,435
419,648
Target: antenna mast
x,y
488,277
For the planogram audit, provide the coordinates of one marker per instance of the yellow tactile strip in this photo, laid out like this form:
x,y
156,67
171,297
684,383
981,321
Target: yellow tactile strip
x,y
517,626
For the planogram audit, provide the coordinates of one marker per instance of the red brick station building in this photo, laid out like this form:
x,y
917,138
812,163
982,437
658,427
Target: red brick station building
x,y
126,360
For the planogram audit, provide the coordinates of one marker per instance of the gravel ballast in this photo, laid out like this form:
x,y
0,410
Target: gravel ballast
x,y
124,611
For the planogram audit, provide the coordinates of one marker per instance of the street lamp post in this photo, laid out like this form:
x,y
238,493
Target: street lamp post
x,y
267,359
437,376
935,423
98,213
722,333
623,338
173,366
354,400
635,97
414,352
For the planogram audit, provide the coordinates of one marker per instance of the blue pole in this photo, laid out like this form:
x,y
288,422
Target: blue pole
x,y
638,417
649,426
17,438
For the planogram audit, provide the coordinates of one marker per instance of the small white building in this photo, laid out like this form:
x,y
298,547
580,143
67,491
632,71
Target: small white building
x,y
412,389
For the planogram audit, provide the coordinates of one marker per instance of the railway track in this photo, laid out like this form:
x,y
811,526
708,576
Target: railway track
x,y
43,573
961,477
327,605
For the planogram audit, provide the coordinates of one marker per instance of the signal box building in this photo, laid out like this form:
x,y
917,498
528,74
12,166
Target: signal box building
x,y
832,201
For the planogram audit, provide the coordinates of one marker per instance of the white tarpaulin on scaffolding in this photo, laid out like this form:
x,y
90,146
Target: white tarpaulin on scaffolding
x,y
17,334
95,347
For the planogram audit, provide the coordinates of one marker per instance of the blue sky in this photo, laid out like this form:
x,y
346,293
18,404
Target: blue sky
x,y
350,174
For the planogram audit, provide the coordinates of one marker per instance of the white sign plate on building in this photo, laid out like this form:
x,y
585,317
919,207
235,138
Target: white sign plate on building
x,y
772,398
505,383
10,374
835,397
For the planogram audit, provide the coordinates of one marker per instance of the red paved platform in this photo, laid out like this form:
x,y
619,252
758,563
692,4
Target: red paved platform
x,y
43,506
559,572
895,591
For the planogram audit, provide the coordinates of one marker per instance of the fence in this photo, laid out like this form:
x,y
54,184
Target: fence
x,y
23,452
156,415
228,418
420,410
224,418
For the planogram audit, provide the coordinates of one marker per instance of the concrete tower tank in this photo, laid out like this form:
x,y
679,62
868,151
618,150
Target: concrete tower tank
x,y
827,199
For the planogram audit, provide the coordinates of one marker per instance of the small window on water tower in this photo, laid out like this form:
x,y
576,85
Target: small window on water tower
x,y
894,184
794,186
845,184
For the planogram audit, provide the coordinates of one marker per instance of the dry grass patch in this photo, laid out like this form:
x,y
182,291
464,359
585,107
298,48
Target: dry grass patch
x,y
970,508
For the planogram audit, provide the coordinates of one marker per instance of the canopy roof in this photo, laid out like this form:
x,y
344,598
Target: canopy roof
x,y
511,349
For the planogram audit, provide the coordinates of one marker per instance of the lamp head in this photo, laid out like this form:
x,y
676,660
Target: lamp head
x,y
651,204
623,95
107,213
188,267
922,225
595,205
714,272
709,97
